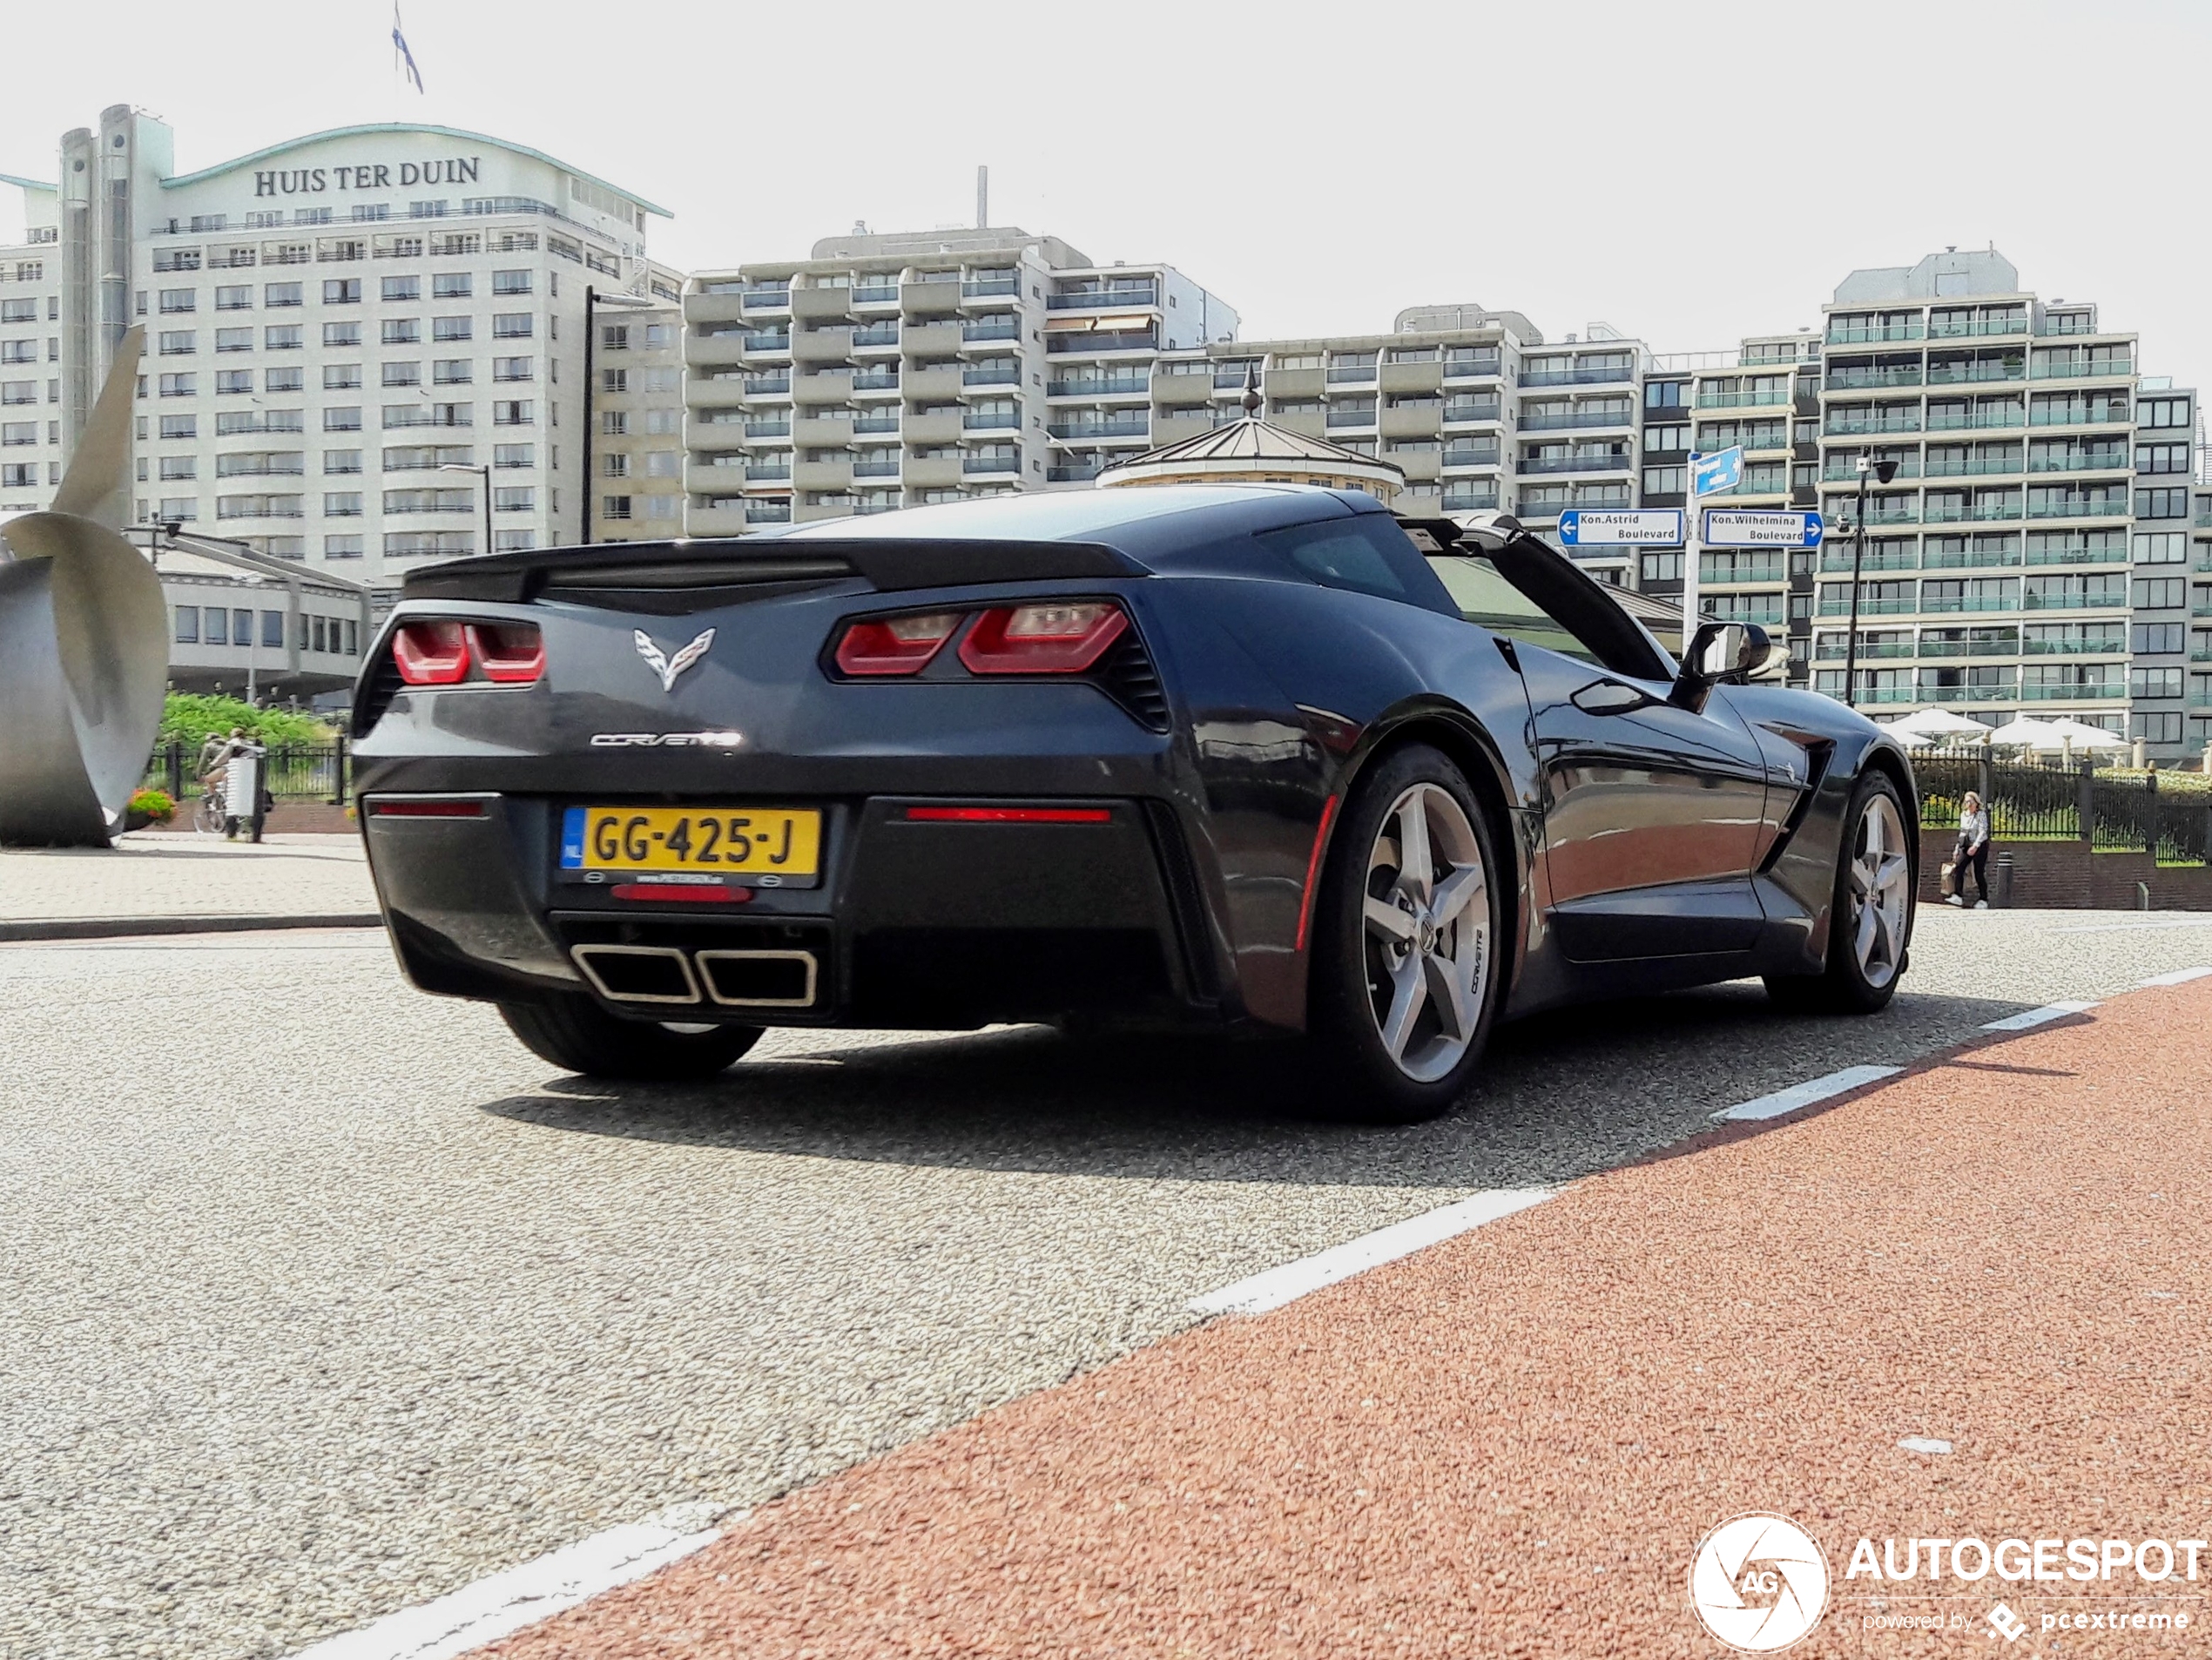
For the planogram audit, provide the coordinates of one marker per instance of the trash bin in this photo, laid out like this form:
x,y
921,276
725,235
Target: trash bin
x,y
2000,885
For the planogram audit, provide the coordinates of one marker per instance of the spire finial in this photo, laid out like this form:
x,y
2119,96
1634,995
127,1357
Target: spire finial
x,y
1251,398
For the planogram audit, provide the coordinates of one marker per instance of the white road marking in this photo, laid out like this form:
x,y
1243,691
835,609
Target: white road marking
x,y
1293,1279
1804,1095
2179,977
2139,927
2036,1016
1928,1444
506,1601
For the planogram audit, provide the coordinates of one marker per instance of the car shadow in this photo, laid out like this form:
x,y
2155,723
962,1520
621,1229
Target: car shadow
x,y
1559,1097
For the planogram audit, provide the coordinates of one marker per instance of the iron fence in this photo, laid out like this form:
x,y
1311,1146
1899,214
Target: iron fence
x,y
2111,809
293,772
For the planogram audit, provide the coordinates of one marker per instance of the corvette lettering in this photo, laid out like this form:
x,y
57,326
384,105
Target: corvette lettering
x,y
666,739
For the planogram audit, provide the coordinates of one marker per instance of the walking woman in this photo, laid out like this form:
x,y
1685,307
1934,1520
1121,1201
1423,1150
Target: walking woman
x,y
1970,854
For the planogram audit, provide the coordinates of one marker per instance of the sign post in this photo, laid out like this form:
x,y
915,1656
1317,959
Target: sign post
x,y
1722,471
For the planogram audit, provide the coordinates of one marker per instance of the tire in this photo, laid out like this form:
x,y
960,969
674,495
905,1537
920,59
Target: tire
x,y
208,816
1875,878
1388,946
578,1035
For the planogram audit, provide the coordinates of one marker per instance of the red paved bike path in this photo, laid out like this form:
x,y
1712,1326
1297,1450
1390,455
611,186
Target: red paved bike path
x,y
1509,1444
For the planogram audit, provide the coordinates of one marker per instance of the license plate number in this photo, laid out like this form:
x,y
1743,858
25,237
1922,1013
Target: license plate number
x,y
760,844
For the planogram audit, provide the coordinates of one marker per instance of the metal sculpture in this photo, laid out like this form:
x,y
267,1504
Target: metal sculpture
x,y
83,643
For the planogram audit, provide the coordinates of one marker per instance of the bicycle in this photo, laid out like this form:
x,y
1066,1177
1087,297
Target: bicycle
x,y
207,813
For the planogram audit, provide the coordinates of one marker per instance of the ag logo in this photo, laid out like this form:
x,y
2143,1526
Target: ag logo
x,y
1758,1583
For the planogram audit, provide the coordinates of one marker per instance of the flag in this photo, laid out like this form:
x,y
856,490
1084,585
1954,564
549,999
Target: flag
x,y
399,45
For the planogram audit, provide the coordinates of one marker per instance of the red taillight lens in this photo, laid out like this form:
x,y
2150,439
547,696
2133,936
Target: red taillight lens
x,y
431,654
1057,637
512,653
895,645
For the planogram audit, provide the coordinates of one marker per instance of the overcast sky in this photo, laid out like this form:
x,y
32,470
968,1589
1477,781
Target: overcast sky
x,y
1688,173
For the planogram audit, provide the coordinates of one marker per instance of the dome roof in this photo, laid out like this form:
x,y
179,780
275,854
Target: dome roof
x,y
1257,451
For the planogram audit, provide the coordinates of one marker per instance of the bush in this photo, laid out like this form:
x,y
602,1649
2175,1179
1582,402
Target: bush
x,y
188,718
155,804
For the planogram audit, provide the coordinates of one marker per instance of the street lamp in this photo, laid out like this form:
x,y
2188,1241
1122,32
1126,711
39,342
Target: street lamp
x,y
1882,472
485,471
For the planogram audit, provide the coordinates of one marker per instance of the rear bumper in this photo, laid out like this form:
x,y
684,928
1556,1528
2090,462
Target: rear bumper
x,y
917,923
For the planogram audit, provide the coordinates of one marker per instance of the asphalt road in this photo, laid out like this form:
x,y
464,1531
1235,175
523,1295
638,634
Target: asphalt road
x,y
321,1297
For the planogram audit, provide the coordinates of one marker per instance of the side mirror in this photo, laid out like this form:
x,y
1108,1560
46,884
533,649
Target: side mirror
x,y
1745,648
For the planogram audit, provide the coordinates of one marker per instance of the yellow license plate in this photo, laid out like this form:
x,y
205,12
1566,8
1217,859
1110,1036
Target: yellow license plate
x,y
737,841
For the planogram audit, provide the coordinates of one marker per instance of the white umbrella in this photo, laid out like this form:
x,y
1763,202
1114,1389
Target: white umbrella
x,y
2082,735
2020,733
1937,724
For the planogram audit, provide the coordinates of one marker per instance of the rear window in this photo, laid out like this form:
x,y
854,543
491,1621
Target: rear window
x,y
1367,554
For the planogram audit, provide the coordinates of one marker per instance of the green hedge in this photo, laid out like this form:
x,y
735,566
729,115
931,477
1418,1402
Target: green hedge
x,y
189,717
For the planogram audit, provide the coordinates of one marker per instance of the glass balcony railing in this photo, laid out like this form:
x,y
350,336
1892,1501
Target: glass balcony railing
x,y
1744,399
2081,691
1461,368
993,374
765,299
994,327
985,287
1231,375
767,429
2056,367
2079,508
2080,461
1490,457
1969,603
875,469
767,340
1851,379
1865,334
1833,606
992,421
1974,373
1837,561
2007,646
1962,328
1351,418
1072,475
1472,412
1469,501
886,334
1080,430
2095,645
873,422
1605,464
1580,420
1999,469
1975,420
881,380
2087,599
767,475
1094,385
1099,299
1576,376
1842,425
990,464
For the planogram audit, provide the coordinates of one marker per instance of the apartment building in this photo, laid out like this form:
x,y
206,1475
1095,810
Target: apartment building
x,y
895,370
2031,553
635,436
346,334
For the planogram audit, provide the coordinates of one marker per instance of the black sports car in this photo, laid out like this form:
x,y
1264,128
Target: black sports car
x,y
1242,756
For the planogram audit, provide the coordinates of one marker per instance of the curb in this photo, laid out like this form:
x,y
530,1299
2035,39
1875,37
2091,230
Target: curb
x,y
127,927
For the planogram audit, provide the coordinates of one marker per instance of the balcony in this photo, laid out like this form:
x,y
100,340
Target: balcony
x,y
1977,327
2100,645
1468,368
1350,418
1842,425
2062,369
2080,461
1976,421
2085,692
1578,421
1968,603
1485,457
2079,507
998,326
766,298
767,429
991,421
1974,373
1835,561
875,469
1835,607
1834,646
990,464
1079,431
1874,335
767,512
1744,400
1469,501
761,386
1576,376
1099,386
1976,513
2104,599
876,334
1461,412
765,340
1973,468
1352,374
1134,341
1843,379
876,380
1072,475
876,421
879,293
1101,298
1970,558
989,288
1231,378
1536,464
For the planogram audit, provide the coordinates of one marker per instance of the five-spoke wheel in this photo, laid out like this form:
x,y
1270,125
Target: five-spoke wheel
x,y
1870,924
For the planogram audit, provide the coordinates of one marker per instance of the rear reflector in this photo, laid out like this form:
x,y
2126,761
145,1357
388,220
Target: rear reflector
x,y
895,645
686,893
512,653
431,654
425,809
1009,815
1059,637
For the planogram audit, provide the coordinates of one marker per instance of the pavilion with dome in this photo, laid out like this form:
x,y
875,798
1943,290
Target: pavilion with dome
x,y
1253,451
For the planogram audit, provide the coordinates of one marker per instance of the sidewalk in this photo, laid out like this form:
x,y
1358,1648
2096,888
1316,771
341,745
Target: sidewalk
x,y
1512,1443
154,882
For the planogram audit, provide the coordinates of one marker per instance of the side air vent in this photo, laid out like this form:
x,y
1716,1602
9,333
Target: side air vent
x,y
1126,674
379,684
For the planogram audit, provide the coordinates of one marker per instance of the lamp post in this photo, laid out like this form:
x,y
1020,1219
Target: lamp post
x,y
484,472
1882,472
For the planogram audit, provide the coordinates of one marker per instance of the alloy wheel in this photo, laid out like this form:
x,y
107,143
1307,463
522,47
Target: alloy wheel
x,y
1426,933
1881,879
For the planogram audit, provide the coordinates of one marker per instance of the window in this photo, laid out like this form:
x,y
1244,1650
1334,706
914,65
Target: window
x,y
187,624
273,628
2155,683
1665,440
179,507
342,420
337,377
664,463
1365,555
175,342
19,392
452,284
342,547
1665,480
341,461
2162,547
2156,638
231,382
178,386
341,504
453,371
452,328
2161,458
233,340
2162,503
181,426
282,337
511,325
173,300
402,288
291,378
614,507
340,291
402,331
618,466
513,455
512,413
216,629
511,282
510,368
2159,593
402,374
281,293
1662,567
2160,726
515,498
341,333
2162,412
614,423
180,467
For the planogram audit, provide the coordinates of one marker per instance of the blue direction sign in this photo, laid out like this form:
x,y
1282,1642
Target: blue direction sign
x,y
1726,526
1722,471
1605,528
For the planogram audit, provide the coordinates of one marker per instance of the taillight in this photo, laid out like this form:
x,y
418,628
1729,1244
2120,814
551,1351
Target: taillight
x,y
895,645
1054,637
512,653
431,654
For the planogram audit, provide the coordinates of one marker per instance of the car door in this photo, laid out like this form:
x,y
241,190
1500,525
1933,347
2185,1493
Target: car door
x,y
1651,810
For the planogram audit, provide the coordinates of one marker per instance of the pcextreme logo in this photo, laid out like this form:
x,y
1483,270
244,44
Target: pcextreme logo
x,y
1758,1583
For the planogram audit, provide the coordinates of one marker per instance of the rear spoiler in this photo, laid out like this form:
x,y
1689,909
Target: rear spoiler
x,y
687,566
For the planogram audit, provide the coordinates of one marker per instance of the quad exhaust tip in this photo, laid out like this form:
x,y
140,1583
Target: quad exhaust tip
x,y
732,979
